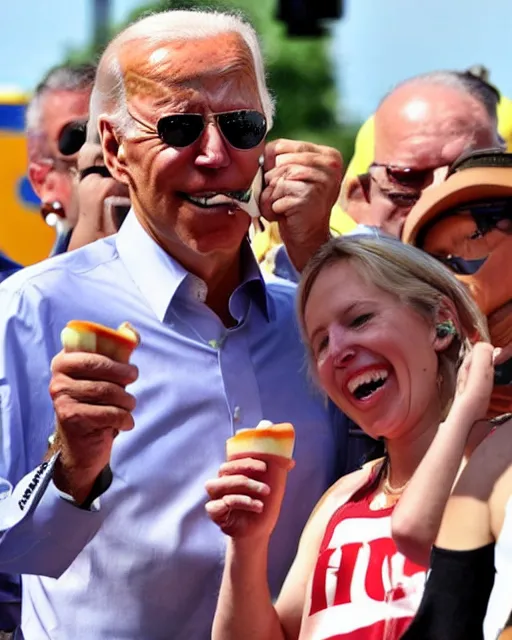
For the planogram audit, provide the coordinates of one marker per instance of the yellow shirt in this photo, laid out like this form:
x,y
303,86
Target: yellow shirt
x,y
505,121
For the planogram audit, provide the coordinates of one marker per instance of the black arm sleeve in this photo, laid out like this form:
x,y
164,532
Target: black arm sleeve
x,y
456,596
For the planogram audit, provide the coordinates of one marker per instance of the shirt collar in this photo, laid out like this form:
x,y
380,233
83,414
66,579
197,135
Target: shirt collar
x,y
158,276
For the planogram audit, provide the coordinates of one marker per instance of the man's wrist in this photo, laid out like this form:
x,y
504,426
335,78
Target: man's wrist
x,y
82,486
301,252
101,484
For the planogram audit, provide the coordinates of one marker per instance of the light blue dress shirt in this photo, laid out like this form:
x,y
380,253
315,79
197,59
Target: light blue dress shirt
x,y
145,562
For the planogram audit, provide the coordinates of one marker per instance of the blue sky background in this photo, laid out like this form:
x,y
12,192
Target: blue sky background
x,y
378,43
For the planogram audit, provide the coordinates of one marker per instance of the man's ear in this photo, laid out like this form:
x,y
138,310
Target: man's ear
x,y
38,175
113,150
446,328
356,197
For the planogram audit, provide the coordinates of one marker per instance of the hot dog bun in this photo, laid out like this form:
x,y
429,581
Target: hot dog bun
x,y
80,335
275,439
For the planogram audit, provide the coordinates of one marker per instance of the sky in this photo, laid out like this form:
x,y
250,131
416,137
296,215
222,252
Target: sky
x,y
376,44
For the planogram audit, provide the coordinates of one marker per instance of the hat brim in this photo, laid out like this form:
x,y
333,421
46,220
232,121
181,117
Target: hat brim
x,y
468,185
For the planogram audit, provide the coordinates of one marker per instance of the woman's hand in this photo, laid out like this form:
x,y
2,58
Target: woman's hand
x,y
475,382
245,499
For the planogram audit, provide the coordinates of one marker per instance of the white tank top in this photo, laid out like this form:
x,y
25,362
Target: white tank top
x,y
500,603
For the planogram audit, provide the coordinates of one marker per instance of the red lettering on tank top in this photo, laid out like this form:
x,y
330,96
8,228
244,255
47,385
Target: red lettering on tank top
x,y
318,595
349,556
381,552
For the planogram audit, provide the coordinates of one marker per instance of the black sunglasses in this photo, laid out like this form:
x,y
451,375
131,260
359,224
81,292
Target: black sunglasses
x,y
487,215
243,129
72,137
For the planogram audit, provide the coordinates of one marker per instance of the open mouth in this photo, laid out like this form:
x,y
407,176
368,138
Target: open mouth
x,y
219,199
364,385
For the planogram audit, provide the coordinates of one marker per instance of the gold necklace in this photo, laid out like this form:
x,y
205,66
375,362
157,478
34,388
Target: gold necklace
x,y
388,489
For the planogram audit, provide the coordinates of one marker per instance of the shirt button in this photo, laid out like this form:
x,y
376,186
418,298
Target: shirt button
x,y
237,414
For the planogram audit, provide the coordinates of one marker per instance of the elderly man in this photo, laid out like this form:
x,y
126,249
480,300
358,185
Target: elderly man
x,y
115,520
59,102
419,129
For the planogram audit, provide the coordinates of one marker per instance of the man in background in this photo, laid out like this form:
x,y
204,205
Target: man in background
x,y
55,113
59,103
419,130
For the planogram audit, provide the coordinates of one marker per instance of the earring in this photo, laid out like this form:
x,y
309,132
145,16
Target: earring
x,y
445,329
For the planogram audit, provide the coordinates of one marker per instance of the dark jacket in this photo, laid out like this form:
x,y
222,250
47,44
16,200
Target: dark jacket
x,y
7,267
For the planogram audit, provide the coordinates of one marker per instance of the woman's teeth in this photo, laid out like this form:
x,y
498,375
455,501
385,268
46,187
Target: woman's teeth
x,y
363,385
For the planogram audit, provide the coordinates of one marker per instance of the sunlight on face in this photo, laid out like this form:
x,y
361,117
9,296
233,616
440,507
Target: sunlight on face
x,y
372,354
201,76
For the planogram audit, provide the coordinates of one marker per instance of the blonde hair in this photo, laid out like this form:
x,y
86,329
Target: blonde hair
x,y
417,280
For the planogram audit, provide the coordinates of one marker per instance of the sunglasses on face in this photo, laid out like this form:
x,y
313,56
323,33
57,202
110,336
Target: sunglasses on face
x,y
243,129
72,137
487,216
404,176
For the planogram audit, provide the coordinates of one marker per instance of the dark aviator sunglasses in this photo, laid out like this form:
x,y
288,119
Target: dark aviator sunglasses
x,y
406,177
243,129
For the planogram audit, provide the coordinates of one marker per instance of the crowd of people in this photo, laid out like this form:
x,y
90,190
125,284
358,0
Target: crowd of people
x,y
370,308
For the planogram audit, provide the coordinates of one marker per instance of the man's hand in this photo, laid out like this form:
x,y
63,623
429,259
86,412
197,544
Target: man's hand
x,y
93,191
302,185
91,406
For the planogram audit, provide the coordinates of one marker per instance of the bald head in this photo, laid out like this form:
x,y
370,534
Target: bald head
x,y
428,125
421,128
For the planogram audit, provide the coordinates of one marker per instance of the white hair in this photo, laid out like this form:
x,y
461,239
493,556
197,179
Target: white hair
x,y
109,94
62,78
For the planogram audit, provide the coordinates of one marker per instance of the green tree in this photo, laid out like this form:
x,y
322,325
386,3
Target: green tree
x,y
300,72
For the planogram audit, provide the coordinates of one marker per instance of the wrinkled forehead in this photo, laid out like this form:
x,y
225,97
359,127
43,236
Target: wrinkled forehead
x,y
426,147
159,70
425,136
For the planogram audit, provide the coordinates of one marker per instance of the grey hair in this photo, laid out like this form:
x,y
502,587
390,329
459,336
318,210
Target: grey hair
x,y
62,78
416,279
109,94
465,82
